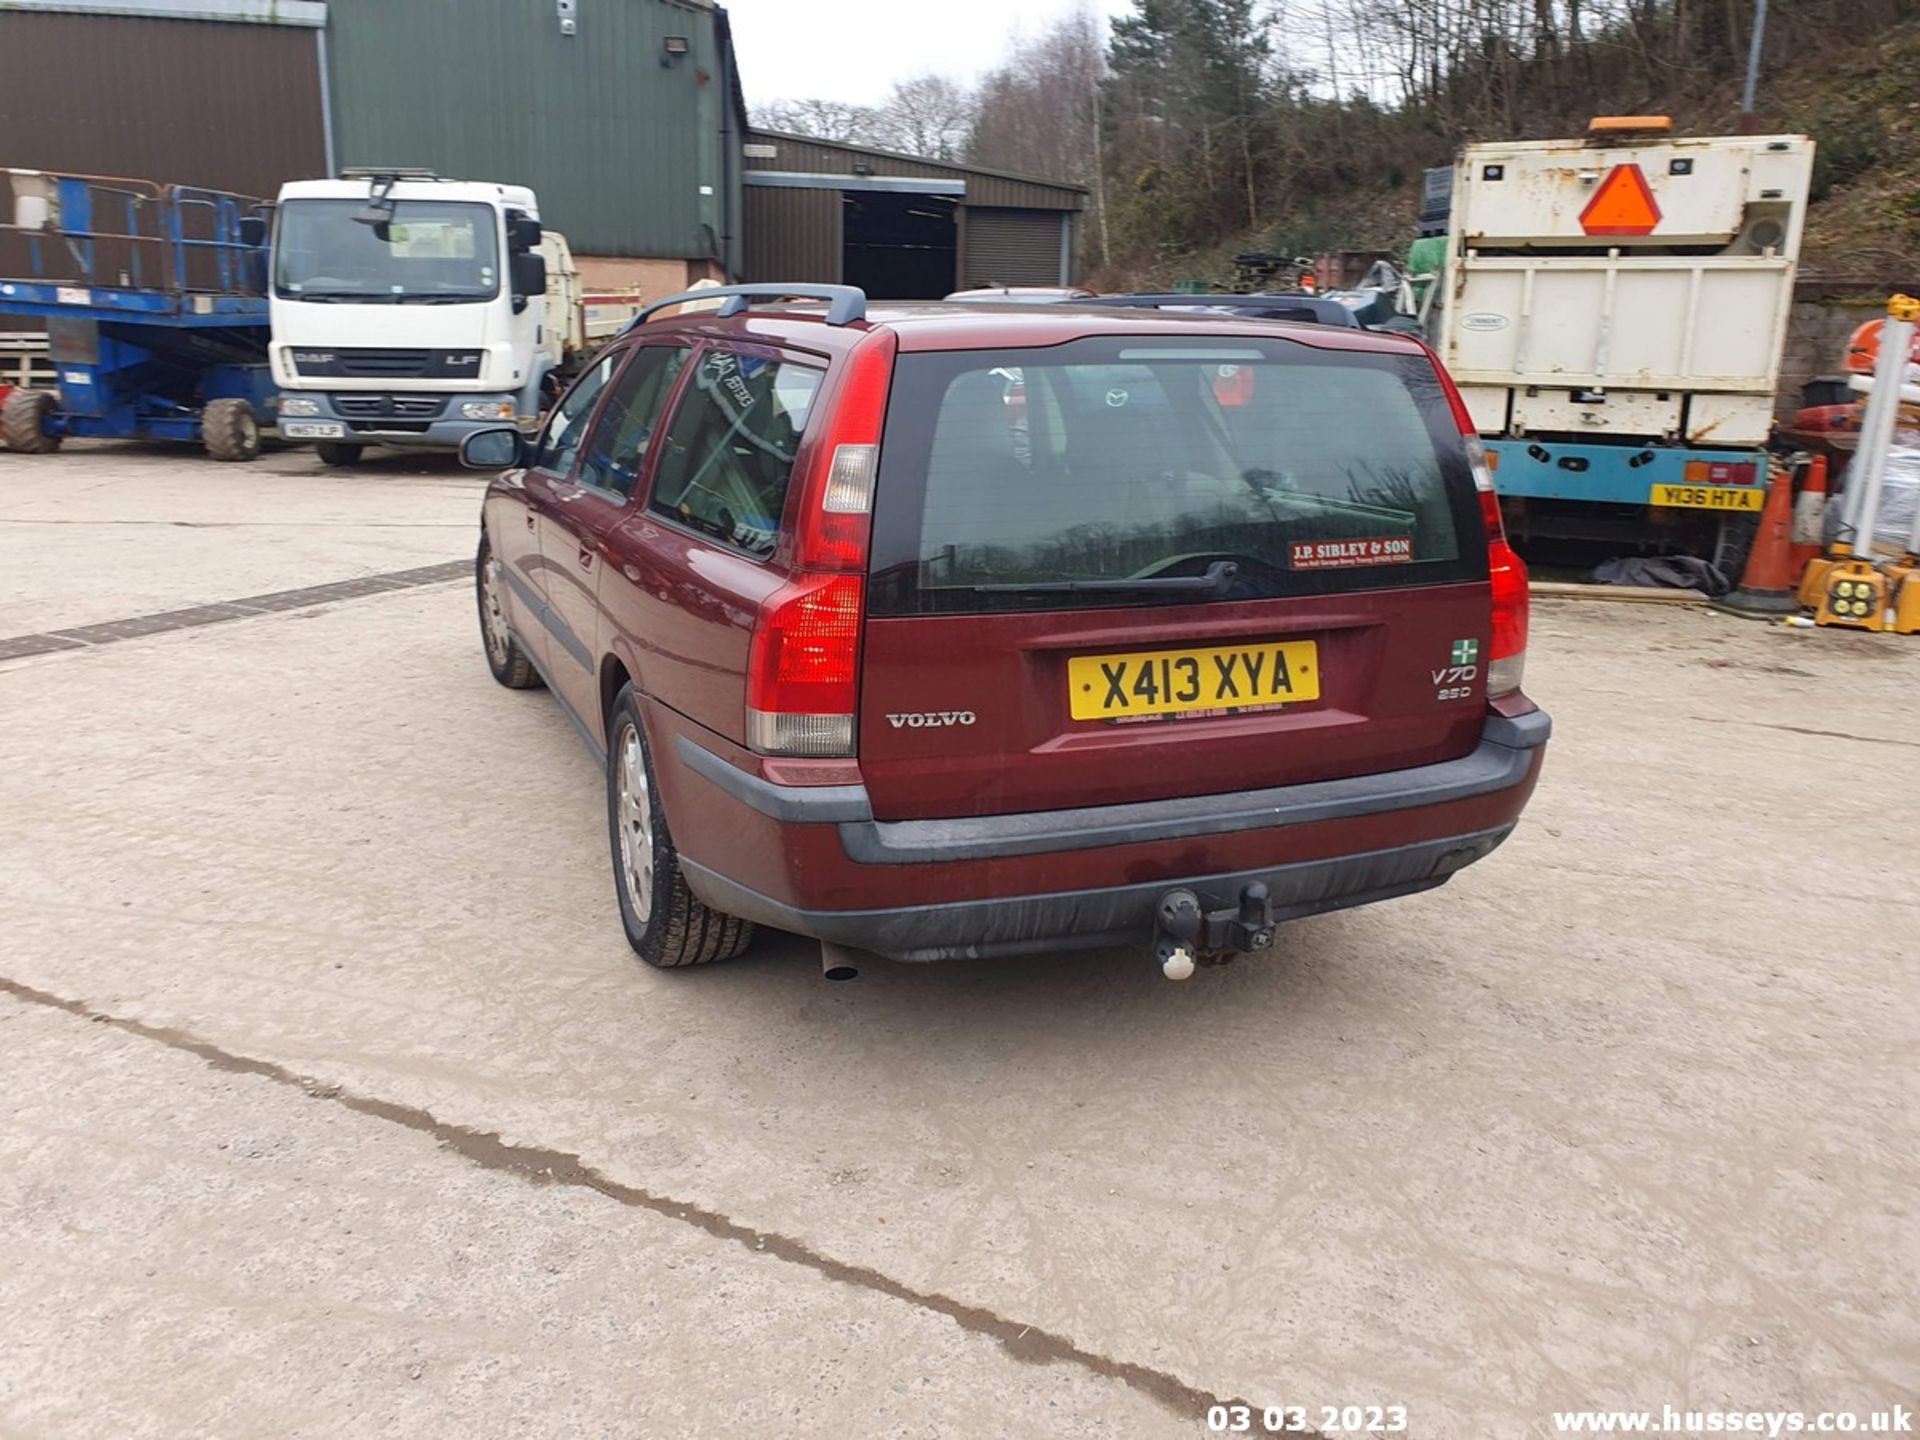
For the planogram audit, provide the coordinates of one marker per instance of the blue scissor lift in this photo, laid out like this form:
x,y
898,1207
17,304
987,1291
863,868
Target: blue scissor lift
x,y
154,299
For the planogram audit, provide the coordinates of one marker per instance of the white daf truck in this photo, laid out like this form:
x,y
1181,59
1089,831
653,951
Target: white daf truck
x,y
408,310
1613,310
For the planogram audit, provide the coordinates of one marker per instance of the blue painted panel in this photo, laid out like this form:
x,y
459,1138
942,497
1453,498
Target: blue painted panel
x,y
1604,474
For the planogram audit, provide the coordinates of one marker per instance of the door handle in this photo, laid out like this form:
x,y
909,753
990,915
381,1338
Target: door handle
x,y
530,520
586,557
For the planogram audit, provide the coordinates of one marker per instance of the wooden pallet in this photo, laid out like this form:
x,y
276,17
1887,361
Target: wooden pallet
x,y
24,361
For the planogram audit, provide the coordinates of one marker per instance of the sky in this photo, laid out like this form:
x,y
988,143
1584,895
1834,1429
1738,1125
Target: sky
x,y
853,50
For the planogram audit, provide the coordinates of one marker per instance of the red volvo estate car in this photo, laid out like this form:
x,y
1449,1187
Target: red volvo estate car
x,y
954,630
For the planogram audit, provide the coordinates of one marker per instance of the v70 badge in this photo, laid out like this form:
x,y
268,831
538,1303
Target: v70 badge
x,y
1454,681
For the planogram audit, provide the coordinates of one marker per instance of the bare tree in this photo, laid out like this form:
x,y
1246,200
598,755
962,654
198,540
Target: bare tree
x,y
821,119
1039,112
927,115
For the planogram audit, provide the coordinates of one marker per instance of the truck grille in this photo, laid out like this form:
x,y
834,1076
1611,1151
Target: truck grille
x,y
385,364
390,407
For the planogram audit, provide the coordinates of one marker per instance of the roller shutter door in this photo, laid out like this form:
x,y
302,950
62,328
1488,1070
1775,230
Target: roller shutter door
x,y
1013,247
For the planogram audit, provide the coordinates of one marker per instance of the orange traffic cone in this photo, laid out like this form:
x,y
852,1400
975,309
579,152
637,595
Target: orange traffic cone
x,y
1810,517
1766,590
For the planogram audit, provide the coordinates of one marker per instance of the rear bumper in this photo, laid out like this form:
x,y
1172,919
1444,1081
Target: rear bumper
x,y
979,886
1113,915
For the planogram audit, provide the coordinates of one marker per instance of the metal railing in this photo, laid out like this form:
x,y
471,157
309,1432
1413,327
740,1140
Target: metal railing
x,y
106,232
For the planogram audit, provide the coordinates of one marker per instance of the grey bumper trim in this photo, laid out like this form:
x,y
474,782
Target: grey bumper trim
x,y
1094,919
1500,761
807,804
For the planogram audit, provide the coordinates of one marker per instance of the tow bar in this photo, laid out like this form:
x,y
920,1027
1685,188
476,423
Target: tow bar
x,y
1185,935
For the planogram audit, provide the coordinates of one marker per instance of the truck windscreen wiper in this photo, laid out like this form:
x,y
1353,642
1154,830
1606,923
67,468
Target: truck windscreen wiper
x,y
1218,578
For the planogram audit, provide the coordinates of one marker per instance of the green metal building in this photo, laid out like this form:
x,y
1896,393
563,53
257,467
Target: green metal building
x,y
625,116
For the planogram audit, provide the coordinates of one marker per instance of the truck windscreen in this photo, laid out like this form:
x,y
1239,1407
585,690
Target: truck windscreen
x,y
429,252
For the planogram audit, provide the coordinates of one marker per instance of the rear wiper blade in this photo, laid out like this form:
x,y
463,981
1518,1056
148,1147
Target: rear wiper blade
x,y
1219,576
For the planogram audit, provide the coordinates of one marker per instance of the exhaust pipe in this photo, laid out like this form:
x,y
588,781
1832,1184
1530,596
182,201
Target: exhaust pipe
x,y
837,962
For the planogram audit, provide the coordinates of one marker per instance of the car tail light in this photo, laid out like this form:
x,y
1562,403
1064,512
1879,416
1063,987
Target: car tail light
x,y
803,672
1506,572
1507,654
801,677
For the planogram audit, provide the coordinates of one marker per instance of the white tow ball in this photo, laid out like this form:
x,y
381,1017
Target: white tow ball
x,y
1178,965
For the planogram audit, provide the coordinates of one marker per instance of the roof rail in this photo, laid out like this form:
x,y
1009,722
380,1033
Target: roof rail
x,y
845,303
1315,309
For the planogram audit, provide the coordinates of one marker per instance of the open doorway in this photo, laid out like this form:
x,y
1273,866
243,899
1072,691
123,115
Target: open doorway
x,y
899,246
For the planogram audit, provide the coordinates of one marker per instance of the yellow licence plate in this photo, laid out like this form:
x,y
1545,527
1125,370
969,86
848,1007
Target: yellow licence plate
x,y
1711,497
1175,682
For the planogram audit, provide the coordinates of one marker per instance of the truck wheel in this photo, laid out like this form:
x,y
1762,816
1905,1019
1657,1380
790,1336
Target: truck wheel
x,y
23,422
337,452
1733,544
667,927
229,431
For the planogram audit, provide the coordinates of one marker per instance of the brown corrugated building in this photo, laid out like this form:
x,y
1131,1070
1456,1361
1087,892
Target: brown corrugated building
x,y
900,227
224,96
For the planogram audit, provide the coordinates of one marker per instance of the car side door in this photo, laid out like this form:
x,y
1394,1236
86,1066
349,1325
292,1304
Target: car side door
x,y
552,460
588,503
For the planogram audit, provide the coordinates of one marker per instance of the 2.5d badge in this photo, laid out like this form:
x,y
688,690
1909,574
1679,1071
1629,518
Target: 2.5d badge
x,y
1454,680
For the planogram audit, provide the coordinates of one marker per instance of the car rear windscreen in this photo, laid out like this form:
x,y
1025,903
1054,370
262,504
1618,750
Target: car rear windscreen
x,y
1035,479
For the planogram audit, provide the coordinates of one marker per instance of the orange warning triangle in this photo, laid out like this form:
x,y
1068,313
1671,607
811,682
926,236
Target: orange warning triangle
x,y
1623,205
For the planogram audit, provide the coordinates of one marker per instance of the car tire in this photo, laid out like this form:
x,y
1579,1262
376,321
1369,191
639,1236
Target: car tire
x,y
23,422
229,430
337,452
667,927
505,658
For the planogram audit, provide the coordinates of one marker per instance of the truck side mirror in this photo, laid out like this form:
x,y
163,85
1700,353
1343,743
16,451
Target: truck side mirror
x,y
529,272
253,231
523,232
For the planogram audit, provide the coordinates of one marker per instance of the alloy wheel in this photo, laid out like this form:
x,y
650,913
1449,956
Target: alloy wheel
x,y
492,613
635,817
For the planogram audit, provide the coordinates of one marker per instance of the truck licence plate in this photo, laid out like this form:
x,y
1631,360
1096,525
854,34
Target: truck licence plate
x,y
1174,682
312,429
1710,497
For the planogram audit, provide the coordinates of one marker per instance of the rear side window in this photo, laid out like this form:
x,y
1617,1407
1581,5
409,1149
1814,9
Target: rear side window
x,y
1112,459
728,452
617,452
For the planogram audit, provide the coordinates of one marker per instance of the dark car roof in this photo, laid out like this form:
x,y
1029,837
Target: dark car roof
x,y
963,325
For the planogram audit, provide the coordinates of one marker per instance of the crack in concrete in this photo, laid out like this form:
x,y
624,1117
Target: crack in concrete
x,y
1805,730
1028,1344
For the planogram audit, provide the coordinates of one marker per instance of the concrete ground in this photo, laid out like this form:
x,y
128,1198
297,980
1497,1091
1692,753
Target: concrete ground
x,y
335,1103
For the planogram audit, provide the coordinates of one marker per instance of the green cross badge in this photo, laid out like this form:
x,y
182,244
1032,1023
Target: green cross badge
x,y
1465,652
